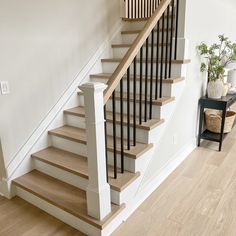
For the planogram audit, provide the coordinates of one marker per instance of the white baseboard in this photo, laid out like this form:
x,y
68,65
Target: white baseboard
x,y
21,158
5,189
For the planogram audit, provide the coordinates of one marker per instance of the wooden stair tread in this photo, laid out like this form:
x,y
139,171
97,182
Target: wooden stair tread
x,y
159,102
63,196
65,160
135,19
127,45
141,19
118,60
123,32
149,125
78,165
78,135
107,76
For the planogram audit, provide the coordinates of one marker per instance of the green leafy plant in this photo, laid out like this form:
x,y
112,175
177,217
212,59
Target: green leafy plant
x,y
217,57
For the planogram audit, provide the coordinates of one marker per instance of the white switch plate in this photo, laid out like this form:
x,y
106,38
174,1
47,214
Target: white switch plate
x,y
5,88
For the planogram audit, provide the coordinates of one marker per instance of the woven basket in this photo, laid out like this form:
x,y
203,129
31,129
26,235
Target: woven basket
x,y
213,120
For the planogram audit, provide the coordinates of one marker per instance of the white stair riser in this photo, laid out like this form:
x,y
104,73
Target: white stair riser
x,y
109,67
79,148
120,52
166,87
129,38
156,111
72,179
138,25
128,193
68,145
59,213
142,135
61,174
135,25
133,165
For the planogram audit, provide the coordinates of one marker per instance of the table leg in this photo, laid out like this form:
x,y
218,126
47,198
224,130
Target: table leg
x,y
222,128
200,124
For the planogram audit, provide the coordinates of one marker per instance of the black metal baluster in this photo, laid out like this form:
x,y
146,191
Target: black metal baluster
x,y
114,133
141,86
150,10
144,9
105,126
157,59
162,54
167,41
151,74
139,9
176,28
171,37
128,8
132,9
121,127
128,109
146,82
134,104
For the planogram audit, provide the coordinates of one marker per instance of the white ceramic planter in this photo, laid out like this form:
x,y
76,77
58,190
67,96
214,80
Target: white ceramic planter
x,y
215,89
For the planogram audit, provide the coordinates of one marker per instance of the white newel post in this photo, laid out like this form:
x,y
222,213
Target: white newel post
x,y
98,190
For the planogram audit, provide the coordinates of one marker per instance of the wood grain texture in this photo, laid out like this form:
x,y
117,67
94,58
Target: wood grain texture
x,y
19,218
198,198
138,31
78,165
107,76
149,125
118,60
158,102
63,196
78,135
126,45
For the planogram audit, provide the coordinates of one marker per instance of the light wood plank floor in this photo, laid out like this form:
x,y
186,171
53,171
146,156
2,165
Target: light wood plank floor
x,y
199,198
19,218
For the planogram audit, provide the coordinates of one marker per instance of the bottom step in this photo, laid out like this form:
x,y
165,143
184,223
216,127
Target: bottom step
x,y
64,196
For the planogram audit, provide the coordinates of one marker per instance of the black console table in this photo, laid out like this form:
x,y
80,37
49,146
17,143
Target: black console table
x,y
219,104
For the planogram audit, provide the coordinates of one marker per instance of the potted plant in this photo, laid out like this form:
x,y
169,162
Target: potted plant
x,y
216,58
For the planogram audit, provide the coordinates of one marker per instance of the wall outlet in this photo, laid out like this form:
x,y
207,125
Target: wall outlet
x,y
5,88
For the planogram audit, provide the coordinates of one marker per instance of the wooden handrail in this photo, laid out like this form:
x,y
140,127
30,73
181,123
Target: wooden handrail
x,y
134,49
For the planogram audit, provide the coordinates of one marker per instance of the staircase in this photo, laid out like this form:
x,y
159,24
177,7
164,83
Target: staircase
x,y
144,78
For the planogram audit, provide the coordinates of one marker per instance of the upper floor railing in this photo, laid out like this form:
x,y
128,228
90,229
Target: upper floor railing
x,y
139,8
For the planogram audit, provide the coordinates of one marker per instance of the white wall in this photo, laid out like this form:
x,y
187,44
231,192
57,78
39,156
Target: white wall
x,y
205,20
43,46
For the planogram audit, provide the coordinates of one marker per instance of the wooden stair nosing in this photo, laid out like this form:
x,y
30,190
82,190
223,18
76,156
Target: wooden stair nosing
x,y
78,165
63,196
107,76
118,60
149,125
127,45
159,102
78,135
139,19
125,32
